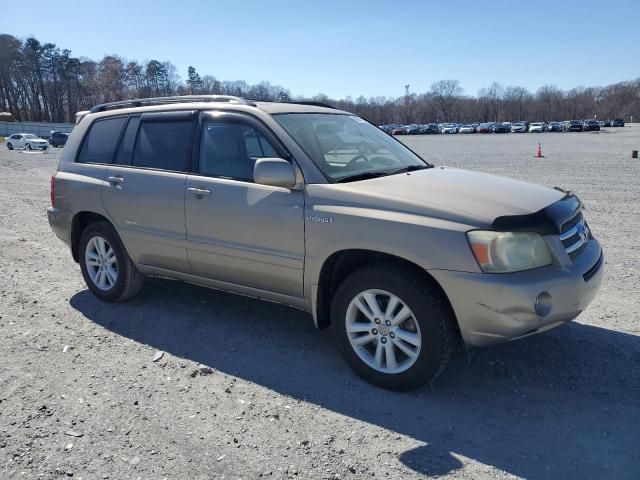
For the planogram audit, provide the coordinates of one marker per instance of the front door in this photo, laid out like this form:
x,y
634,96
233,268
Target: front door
x,y
238,231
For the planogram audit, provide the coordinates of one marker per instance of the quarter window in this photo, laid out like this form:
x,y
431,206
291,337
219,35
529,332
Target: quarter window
x,y
230,150
100,143
163,145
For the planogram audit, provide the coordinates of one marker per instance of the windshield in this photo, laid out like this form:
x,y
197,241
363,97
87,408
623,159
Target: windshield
x,y
30,135
345,146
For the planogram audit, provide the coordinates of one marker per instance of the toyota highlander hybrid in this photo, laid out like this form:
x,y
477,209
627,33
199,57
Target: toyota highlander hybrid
x,y
316,208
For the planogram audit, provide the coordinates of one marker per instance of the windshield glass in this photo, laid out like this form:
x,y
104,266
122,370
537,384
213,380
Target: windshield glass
x,y
30,135
343,146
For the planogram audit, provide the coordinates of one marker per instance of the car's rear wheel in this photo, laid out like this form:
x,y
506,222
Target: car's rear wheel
x,y
106,266
393,327
9,146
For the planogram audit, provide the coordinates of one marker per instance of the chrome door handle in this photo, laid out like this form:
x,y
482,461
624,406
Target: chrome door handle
x,y
199,192
115,179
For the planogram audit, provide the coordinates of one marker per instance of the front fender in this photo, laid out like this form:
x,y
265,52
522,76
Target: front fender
x,y
430,243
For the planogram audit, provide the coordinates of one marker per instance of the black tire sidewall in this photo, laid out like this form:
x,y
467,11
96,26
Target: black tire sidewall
x,y
429,312
123,261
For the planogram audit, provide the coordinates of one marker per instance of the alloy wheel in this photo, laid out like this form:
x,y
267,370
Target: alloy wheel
x,y
383,331
101,263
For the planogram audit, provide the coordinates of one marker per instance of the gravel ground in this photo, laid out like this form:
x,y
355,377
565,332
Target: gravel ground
x,y
245,389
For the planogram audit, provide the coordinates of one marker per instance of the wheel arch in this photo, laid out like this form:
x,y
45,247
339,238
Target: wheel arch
x,y
80,222
342,263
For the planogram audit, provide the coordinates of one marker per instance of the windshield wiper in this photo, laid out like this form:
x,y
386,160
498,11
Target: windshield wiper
x,y
409,168
361,176
383,173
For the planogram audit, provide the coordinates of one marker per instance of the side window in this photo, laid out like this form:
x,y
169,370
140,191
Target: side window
x,y
100,143
256,145
163,145
128,140
230,150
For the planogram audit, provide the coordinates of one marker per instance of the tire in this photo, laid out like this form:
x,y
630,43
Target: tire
x,y
431,320
128,280
9,146
27,146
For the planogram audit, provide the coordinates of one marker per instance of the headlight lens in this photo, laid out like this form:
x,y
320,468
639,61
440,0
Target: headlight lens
x,y
502,252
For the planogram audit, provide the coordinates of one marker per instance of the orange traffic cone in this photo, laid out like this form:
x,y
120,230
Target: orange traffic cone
x,y
539,152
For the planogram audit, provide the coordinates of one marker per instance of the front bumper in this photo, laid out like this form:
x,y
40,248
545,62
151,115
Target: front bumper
x,y
495,308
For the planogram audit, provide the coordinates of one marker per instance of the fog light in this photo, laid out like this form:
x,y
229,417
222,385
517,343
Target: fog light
x,y
543,304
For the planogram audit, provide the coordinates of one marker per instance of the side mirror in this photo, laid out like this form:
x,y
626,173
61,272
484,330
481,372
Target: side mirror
x,y
275,172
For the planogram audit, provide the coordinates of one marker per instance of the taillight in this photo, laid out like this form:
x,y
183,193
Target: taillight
x,y
53,190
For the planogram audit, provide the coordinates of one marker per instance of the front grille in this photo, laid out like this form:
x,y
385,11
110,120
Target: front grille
x,y
574,235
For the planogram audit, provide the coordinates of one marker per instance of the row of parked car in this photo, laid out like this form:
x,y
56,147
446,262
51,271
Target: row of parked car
x,y
503,127
29,141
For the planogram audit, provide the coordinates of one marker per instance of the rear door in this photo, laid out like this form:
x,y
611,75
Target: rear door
x,y
144,189
238,231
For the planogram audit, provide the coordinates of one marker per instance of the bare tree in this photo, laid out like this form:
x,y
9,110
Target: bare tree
x,y
40,81
446,93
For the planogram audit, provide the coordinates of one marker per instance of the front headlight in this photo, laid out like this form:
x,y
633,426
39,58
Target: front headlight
x,y
503,252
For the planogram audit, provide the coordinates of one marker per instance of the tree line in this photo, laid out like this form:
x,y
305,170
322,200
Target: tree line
x,y
42,82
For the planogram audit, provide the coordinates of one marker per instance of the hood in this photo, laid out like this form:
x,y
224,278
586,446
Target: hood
x,y
472,194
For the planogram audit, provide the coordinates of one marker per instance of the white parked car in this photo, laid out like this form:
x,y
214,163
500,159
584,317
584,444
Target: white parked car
x,y
467,129
518,127
449,128
536,127
28,141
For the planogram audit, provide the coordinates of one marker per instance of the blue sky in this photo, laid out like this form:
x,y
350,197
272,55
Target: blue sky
x,y
345,48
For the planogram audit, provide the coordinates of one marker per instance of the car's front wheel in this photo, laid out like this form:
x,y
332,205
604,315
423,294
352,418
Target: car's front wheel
x,y
393,327
106,266
27,146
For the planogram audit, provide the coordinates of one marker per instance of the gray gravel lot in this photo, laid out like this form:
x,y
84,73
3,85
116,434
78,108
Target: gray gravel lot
x,y
247,389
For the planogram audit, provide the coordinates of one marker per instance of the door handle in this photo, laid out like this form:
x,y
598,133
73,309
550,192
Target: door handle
x,y
199,192
115,179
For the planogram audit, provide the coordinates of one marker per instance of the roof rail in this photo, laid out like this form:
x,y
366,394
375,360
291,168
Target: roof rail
x,y
139,102
81,115
314,104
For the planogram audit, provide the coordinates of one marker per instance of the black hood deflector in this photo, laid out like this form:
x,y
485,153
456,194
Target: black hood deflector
x,y
547,221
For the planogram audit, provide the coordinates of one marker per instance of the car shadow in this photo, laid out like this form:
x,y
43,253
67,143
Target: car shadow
x,y
559,405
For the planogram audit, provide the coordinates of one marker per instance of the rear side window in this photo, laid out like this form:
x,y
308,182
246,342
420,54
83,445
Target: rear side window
x,y
128,140
100,143
163,145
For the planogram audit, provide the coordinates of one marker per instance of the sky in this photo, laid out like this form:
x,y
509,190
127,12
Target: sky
x,y
351,48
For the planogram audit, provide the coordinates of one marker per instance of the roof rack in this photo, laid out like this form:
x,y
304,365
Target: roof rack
x,y
139,102
314,104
